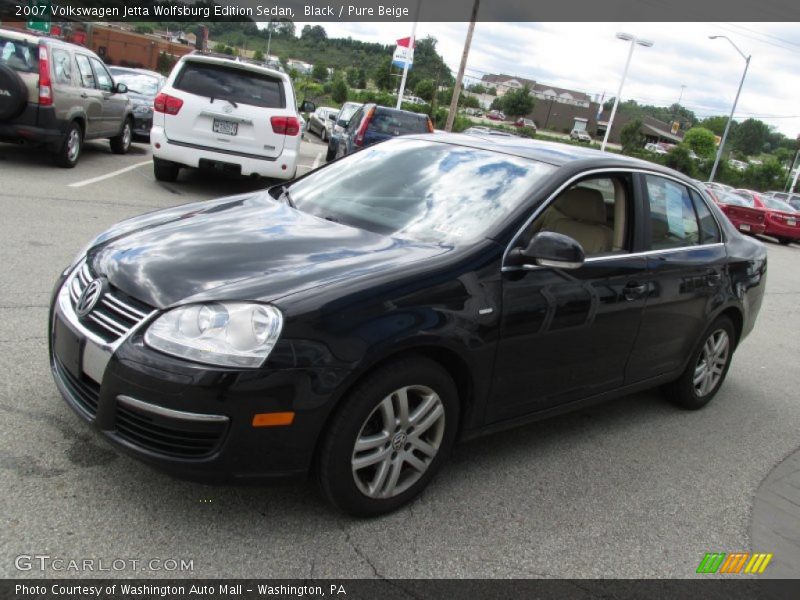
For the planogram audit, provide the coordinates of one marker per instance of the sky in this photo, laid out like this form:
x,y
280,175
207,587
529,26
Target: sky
x,y
587,57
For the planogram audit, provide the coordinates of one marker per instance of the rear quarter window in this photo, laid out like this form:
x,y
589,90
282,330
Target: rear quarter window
x,y
19,55
397,123
226,83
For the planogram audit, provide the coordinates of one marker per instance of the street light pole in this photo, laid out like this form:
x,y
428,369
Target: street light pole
x,y
733,109
634,41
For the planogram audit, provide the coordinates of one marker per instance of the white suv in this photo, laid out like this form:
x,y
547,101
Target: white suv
x,y
225,114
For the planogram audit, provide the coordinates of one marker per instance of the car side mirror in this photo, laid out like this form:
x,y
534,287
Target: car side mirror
x,y
120,88
332,118
549,249
307,106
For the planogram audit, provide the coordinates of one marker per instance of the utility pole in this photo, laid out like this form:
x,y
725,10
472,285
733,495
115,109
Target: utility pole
x,y
435,98
451,115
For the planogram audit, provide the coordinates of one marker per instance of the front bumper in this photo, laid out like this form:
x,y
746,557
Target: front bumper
x,y
189,420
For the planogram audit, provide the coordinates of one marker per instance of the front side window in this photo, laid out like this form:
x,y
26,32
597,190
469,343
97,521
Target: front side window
x,y
104,80
673,222
231,83
421,190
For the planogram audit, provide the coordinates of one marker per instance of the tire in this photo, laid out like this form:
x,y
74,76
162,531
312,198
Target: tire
x,y
120,144
784,241
68,153
331,154
398,461
165,170
697,385
15,93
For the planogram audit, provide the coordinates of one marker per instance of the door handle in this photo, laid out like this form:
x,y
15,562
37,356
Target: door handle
x,y
634,291
713,278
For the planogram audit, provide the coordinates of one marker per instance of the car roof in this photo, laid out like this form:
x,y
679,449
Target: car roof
x,y
32,38
227,61
389,109
135,71
552,153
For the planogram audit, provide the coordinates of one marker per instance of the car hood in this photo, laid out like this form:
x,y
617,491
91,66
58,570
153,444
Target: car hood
x,y
244,248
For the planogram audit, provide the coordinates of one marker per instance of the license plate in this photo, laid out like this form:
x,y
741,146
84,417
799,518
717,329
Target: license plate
x,y
744,227
226,127
791,222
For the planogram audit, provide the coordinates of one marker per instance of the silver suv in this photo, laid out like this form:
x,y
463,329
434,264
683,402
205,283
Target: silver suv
x,y
57,94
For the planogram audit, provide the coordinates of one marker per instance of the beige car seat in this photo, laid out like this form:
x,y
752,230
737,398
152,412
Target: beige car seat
x,y
580,213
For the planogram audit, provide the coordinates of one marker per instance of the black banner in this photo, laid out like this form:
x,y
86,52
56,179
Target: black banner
x,y
400,589
400,10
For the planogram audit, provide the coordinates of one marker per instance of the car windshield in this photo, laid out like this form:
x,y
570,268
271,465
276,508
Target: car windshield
x,y
748,199
19,55
777,204
731,199
139,83
422,190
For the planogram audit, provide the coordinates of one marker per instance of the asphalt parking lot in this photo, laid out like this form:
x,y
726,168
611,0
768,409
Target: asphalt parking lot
x,y
632,488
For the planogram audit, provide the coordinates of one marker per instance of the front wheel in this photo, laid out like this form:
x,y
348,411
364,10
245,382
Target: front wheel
x,y
707,368
784,241
389,437
120,144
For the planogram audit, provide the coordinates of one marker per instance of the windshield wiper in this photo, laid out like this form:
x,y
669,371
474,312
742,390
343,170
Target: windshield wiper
x,y
285,196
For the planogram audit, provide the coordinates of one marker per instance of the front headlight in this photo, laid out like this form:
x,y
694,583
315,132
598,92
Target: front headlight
x,y
229,334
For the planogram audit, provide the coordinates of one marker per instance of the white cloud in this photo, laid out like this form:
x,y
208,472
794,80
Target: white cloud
x,y
588,57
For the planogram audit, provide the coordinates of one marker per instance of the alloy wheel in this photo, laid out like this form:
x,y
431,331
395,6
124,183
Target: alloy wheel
x,y
398,441
73,144
711,364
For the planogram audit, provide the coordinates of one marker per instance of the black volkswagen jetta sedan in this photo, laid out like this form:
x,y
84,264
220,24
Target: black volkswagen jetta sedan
x,y
358,321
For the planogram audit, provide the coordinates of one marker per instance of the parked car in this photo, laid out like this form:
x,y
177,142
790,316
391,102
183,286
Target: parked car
x,y
781,219
737,164
522,122
744,217
222,113
496,115
655,149
372,124
718,186
342,121
361,319
580,135
322,120
143,86
790,198
58,95
478,130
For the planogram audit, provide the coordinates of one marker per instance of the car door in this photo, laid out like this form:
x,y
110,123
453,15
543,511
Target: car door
x,y
568,334
114,105
91,98
346,144
686,269
66,83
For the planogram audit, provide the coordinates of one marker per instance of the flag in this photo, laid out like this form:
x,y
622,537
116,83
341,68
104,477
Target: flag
x,y
403,53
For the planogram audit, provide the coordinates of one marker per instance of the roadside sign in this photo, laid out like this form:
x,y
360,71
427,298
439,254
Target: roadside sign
x,y
40,15
675,127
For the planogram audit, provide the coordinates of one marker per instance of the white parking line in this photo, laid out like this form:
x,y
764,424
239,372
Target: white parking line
x,y
109,175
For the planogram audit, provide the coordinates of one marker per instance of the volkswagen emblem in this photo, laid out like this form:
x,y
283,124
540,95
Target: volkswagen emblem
x,y
90,296
227,108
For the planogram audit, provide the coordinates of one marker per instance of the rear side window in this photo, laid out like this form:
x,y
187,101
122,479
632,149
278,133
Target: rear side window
x,y
709,229
62,66
225,83
85,69
398,123
19,55
673,222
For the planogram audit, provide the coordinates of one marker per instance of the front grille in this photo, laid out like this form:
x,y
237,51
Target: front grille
x,y
114,315
166,436
82,389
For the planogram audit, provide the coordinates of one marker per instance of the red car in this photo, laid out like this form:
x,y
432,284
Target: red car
x,y
781,222
744,217
496,115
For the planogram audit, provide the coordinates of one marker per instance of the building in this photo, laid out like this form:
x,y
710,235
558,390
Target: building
x,y
502,84
560,95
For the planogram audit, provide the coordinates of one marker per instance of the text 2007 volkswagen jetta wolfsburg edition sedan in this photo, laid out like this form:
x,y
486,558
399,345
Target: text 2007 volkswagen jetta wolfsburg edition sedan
x,y
359,321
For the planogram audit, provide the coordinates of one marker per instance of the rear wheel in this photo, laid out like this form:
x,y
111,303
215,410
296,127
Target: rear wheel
x,y
70,150
331,154
389,437
165,170
707,368
784,241
324,135
120,144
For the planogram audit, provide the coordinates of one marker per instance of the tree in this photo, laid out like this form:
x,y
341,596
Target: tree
x,y
469,101
314,34
518,102
425,89
631,136
362,79
678,158
258,55
491,91
477,88
701,140
716,124
352,77
319,72
383,75
219,48
750,137
165,62
339,90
